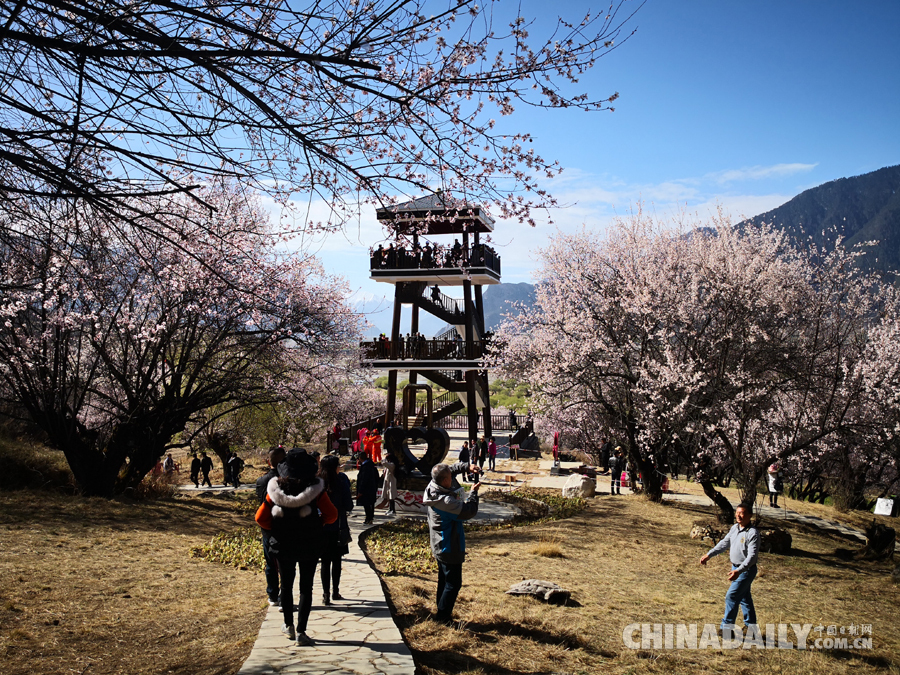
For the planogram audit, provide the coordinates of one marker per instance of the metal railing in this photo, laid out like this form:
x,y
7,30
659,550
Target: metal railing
x,y
459,257
498,422
421,349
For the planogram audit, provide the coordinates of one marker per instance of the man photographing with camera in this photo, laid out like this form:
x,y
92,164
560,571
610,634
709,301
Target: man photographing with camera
x,y
446,513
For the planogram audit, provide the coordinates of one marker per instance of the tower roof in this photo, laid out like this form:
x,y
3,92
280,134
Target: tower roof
x,y
437,213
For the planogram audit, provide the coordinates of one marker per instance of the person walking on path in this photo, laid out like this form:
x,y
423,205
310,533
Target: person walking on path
x,y
388,486
206,466
367,488
464,457
446,513
492,455
300,509
616,467
235,466
776,485
276,457
337,534
742,542
195,470
376,446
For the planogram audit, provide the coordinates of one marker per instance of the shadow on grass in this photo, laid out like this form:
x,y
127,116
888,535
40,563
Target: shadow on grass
x,y
493,631
74,514
869,659
448,661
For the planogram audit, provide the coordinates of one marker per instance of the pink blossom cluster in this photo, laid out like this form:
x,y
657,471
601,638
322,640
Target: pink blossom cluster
x,y
708,344
116,335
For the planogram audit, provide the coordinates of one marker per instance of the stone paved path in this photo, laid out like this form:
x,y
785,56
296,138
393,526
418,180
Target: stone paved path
x,y
356,636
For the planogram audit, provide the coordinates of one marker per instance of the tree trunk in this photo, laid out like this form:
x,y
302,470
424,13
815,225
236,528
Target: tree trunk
x,y
651,479
726,510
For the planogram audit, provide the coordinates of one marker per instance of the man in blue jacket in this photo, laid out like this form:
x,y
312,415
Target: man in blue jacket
x,y
446,513
742,543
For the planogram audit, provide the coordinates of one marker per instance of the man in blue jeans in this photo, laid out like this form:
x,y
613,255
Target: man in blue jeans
x,y
446,513
742,542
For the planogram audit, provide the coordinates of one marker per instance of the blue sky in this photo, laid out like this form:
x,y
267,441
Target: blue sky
x,y
721,102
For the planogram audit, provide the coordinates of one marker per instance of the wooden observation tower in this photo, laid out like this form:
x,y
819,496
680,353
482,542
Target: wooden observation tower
x,y
437,244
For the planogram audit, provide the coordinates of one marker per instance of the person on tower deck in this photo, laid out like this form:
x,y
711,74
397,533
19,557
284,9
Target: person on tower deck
x,y
427,256
378,257
391,257
456,253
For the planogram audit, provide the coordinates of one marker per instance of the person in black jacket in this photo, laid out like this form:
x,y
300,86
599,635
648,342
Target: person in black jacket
x,y
195,470
465,456
337,486
300,509
205,467
276,457
367,488
617,465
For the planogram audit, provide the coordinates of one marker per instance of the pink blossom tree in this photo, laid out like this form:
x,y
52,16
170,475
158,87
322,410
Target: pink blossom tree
x,y
351,101
726,347
114,339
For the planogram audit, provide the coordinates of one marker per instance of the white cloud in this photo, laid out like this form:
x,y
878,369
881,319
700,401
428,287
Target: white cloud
x,y
759,172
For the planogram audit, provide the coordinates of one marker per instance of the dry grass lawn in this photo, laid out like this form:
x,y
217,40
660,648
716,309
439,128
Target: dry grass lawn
x,y
630,561
94,586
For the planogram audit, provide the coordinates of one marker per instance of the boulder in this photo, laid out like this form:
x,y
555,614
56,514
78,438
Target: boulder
x,y
775,540
579,486
542,590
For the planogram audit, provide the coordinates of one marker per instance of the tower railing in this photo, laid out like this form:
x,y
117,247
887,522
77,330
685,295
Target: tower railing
x,y
415,348
452,257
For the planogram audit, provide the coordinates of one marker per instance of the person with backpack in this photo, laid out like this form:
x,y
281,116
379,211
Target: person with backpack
x,y
276,456
300,510
337,534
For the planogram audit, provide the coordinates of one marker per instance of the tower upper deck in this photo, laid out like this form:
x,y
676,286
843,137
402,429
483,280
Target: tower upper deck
x,y
439,213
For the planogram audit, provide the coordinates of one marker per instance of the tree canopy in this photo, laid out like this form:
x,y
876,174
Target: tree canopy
x,y
345,100
723,346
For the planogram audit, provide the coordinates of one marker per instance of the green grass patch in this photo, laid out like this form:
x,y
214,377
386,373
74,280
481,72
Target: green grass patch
x,y
239,548
402,547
